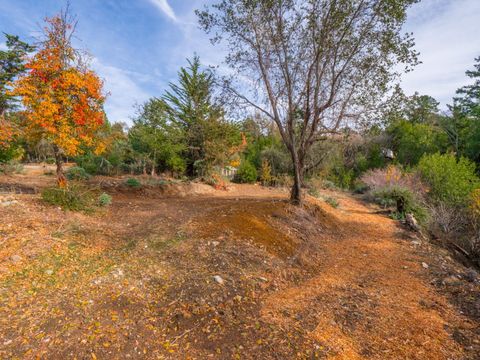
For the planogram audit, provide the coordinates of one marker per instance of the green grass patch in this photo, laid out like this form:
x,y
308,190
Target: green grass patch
x,y
160,244
332,202
133,183
76,197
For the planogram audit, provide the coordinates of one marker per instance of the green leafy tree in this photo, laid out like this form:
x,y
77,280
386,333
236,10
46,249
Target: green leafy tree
x,y
421,109
450,181
247,173
463,126
418,109
415,127
190,103
411,141
116,155
12,64
264,143
157,140
468,101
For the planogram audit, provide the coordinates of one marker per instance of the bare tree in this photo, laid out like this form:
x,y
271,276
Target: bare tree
x,y
315,64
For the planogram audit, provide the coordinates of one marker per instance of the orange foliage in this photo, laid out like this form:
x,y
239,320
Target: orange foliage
x,y
235,162
7,132
63,99
218,182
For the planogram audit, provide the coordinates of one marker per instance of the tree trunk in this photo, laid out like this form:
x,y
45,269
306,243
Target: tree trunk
x,y
61,179
296,192
302,174
154,162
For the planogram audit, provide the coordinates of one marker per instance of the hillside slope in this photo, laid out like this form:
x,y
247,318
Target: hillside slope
x,y
238,274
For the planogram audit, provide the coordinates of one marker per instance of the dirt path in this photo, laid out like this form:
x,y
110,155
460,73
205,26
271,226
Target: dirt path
x,y
371,299
137,281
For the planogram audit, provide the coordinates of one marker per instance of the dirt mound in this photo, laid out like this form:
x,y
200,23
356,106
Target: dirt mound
x,y
152,187
275,225
17,188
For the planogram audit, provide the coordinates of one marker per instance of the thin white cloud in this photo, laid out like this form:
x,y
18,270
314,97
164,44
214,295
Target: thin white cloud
x,y
194,41
124,92
165,7
446,34
3,46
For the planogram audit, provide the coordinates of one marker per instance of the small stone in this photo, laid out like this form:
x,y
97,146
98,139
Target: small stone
x,y
451,280
470,275
425,265
215,243
218,279
9,202
118,273
16,258
262,279
412,222
49,272
8,342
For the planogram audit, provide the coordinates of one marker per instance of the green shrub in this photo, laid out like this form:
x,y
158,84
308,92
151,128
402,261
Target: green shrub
x,y
332,202
246,173
94,164
403,200
176,164
314,192
450,181
133,183
75,197
104,200
12,153
360,188
342,177
77,173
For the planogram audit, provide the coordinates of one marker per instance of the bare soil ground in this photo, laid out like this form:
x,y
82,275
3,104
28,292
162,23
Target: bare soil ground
x,y
136,280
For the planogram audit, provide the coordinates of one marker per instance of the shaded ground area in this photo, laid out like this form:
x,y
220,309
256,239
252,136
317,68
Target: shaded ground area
x,y
171,273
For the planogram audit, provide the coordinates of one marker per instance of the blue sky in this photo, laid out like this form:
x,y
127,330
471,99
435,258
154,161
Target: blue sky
x,y
137,46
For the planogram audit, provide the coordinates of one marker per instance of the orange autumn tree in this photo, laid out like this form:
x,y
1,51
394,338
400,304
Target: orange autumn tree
x,y
63,99
7,132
